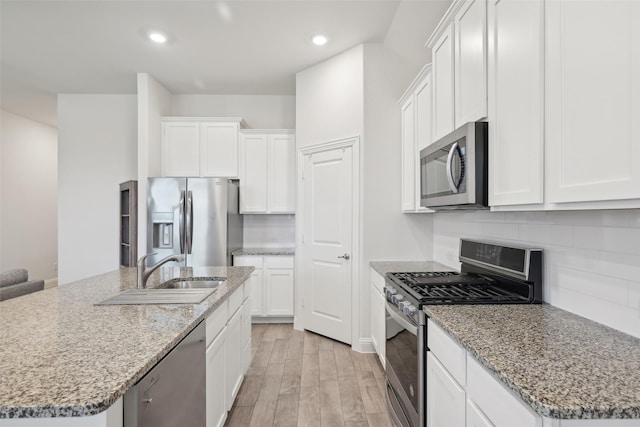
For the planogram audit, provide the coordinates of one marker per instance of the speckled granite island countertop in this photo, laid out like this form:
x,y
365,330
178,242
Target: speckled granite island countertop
x,y
561,364
62,356
384,267
265,251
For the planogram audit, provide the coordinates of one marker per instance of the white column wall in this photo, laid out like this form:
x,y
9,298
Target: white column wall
x,y
97,150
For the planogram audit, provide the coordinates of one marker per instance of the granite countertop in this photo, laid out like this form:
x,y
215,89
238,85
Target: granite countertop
x,y
265,251
61,355
561,364
384,267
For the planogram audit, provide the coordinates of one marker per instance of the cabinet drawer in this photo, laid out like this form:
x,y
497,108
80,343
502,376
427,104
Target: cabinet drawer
x,y
247,261
235,300
216,322
278,262
377,280
448,352
495,401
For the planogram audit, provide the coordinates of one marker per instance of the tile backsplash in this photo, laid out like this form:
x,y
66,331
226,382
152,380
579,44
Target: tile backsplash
x,y
269,231
591,258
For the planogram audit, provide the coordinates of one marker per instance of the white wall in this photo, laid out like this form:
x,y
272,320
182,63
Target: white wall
x,y
97,150
591,258
28,196
154,101
330,100
258,111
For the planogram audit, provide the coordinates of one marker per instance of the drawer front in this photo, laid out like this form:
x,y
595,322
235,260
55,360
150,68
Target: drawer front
x,y
448,352
500,406
235,300
278,262
247,261
377,280
216,322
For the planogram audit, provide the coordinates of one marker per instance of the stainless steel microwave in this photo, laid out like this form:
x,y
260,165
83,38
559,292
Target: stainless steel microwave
x,y
453,170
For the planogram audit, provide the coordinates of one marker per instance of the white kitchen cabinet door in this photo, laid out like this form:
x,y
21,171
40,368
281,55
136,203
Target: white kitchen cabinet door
x,y
219,149
592,106
267,172
443,84
180,149
445,397
253,173
377,322
282,174
216,404
408,156
470,24
278,285
424,115
233,357
516,102
246,335
255,282
475,417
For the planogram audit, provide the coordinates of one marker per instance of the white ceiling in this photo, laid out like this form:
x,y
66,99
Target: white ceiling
x,y
215,47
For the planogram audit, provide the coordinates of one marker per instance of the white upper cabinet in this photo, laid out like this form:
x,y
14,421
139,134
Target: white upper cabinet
x,y
459,55
516,102
180,149
200,146
592,107
219,149
267,171
470,64
442,57
416,117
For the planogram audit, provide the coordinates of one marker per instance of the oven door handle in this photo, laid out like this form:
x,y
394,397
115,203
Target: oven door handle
x,y
413,329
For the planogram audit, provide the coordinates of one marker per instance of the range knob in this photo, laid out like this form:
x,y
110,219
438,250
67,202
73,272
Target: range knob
x,y
389,292
397,298
409,309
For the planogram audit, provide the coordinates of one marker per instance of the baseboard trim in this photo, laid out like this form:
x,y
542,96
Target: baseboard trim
x,y
51,283
364,345
260,319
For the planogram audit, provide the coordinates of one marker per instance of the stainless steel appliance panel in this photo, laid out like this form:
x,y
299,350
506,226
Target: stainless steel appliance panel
x,y
173,392
165,217
234,219
206,221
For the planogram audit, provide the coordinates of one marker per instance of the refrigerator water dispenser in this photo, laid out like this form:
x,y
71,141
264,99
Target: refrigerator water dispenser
x,y
162,230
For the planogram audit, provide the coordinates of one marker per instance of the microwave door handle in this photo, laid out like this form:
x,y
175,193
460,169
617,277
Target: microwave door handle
x,y
452,184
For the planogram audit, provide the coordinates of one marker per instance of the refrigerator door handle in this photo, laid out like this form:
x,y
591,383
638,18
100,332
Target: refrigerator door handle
x,y
181,225
189,221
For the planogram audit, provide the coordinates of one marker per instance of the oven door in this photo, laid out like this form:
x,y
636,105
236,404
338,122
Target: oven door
x,y
404,367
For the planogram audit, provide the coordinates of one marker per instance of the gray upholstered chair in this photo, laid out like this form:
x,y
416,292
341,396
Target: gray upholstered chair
x,y
15,283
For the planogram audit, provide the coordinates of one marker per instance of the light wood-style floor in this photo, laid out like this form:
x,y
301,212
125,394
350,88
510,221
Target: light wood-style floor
x,y
303,379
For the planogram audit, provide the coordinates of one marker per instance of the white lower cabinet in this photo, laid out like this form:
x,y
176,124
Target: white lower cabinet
x,y
228,336
445,397
378,315
216,402
475,417
271,284
233,356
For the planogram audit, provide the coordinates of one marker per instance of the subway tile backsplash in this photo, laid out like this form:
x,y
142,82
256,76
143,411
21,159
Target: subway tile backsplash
x,y
591,258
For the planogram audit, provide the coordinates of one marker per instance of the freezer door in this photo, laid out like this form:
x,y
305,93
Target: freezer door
x,y
165,218
206,220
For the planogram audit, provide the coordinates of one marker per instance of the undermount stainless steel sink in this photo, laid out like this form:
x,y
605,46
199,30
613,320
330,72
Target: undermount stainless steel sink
x,y
159,296
193,283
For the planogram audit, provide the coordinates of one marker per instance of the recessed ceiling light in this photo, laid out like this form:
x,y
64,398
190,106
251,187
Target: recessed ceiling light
x,y
319,40
157,37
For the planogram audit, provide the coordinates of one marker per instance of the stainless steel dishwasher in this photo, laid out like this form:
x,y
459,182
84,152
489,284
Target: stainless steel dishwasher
x,y
172,393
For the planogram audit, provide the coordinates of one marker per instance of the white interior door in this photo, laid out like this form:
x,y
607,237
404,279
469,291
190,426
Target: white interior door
x,y
327,243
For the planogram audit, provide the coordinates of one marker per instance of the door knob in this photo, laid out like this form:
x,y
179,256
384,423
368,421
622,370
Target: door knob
x,y
345,256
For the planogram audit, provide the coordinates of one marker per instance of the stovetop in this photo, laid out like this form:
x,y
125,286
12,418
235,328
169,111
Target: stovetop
x,y
444,287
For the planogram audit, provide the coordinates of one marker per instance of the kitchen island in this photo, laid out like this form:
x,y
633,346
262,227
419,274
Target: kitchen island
x,y
63,356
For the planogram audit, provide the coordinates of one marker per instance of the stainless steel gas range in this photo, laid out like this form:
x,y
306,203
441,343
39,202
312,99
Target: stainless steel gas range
x,y
491,273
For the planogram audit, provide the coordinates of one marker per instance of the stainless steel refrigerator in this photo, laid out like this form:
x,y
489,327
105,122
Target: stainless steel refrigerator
x,y
196,217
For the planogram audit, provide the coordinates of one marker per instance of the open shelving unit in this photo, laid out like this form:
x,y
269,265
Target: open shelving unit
x,y
128,223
